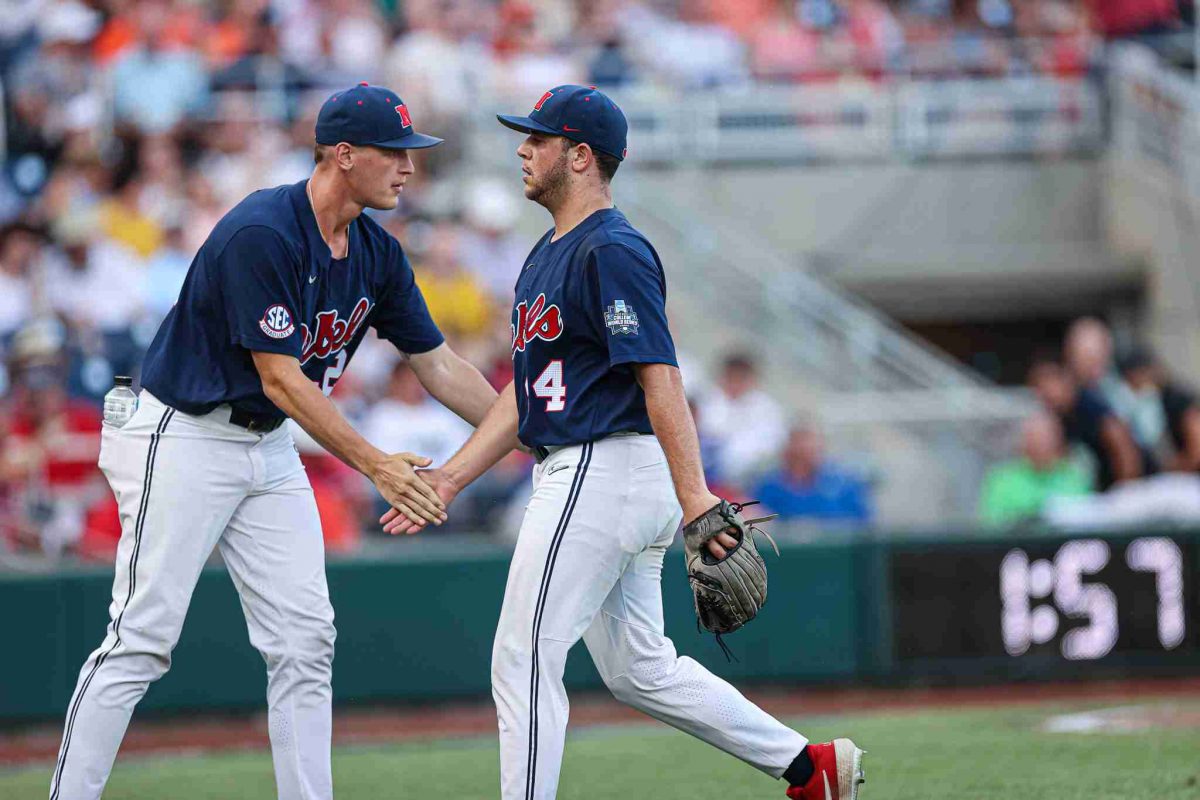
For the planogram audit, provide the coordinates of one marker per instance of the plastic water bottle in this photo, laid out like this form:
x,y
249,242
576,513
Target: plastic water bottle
x,y
120,402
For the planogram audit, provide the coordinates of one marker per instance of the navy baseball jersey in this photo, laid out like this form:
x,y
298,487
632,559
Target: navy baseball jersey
x,y
265,281
588,306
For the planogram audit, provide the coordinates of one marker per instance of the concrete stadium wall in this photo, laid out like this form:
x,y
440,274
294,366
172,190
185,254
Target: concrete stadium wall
x,y
1151,218
923,241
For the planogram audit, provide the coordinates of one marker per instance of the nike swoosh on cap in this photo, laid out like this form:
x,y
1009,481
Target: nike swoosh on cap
x,y
572,130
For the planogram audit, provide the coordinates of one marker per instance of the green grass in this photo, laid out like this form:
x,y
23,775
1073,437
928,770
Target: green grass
x,y
945,754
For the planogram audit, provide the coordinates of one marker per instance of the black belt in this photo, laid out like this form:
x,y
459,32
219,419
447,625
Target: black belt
x,y
540,452
255,423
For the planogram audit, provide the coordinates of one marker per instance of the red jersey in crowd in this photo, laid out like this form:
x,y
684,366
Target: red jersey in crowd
x,y
1116,18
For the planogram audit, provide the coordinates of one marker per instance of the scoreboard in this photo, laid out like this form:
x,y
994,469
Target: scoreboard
x,y
1034,599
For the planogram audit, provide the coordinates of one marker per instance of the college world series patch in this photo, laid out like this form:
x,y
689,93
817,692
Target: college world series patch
x,y
621,319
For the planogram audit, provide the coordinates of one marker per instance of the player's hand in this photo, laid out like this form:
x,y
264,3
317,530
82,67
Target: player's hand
x,y
720,545
396,523
405,492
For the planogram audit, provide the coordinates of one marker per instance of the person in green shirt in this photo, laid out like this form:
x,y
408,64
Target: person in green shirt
x,y
1015,491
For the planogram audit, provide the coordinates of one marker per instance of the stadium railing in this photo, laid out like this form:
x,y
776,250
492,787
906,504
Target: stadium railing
x,y
896,119
1156,115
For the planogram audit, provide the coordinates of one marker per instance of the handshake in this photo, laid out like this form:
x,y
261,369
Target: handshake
x,y
417,495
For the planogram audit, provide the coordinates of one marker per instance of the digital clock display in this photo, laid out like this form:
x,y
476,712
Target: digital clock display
x,y
1080,599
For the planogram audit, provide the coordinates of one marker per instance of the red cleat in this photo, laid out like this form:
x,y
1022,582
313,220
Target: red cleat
x,y
837,772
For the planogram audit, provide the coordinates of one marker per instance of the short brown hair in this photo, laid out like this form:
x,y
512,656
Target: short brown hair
x,y
604,162
319,153
607,164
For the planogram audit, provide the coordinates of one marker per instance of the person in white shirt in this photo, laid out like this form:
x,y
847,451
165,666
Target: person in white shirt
x,y
99,286
409,419
746,424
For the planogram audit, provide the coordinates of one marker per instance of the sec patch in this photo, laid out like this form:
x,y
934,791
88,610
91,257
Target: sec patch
x,y
277,322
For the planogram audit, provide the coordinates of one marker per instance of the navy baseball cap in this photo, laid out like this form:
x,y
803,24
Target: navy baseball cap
x,y
580,113
370,115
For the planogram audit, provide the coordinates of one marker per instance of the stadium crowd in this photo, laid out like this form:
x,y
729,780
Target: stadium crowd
x,y
131,126
1116,440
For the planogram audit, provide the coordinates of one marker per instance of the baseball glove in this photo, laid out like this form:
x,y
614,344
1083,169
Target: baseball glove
x,y
729,592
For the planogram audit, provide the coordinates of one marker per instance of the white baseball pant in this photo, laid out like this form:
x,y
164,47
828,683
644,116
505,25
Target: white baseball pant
x,y
587,564
185,484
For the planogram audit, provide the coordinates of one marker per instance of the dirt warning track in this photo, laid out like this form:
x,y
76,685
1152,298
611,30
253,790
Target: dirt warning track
x,y
210,733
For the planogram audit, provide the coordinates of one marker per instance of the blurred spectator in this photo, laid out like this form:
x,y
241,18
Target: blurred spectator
x,y
492,251
710,458
407,419
875,34
528,60
156,84
233,34
51,87
1016,491
745,423
204,210
1119,19
356,37
1177,447
241,149
164,275
808,486
690,50
123,222
781,49
158,193
458,303
98,285
442,64
1088,353
1089,422
48,456
20,248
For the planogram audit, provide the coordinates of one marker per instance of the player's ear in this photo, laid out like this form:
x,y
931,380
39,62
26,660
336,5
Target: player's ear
x,y
343,155
582,157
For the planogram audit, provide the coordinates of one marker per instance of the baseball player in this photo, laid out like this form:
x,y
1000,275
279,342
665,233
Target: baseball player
x,y
597,395
274,305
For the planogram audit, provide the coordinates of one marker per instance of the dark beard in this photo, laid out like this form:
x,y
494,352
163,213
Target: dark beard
x,y
553,188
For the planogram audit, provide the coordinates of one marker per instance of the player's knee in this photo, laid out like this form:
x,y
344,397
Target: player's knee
x,y
306,656
622,688
126,674
511,657
644,676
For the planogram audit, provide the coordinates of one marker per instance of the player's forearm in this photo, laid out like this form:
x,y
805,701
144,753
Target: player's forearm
x,y
455,383
492,440
301,400
671,419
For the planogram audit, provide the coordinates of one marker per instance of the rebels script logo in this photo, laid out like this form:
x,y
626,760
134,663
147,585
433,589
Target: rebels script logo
x,y
535,321
332,333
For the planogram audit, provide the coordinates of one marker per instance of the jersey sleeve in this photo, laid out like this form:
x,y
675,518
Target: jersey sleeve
x,y
401,315
260,285
627,301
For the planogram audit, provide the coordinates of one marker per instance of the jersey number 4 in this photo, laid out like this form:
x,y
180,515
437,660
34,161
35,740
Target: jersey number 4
x,y
549,386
